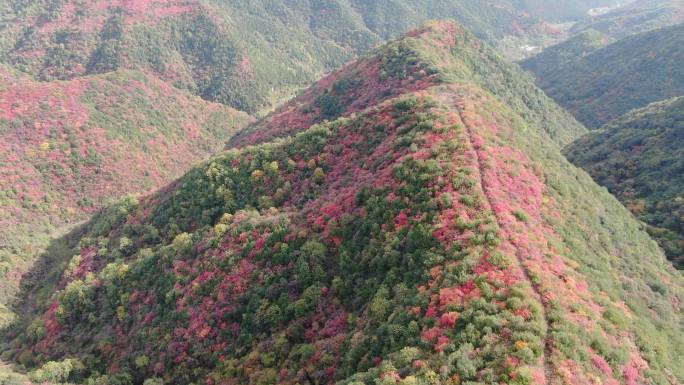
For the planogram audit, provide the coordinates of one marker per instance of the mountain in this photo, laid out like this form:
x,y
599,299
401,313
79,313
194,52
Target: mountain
x,y
640,159
604,84
121,71
183,42
410,219
564,10
67,148
622,87
566,54
635,17
247,54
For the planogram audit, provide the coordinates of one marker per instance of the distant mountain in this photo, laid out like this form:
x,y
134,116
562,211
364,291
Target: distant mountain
x,y
566,54
635,155
602,85
636,17
247,54
564,10
69,147
183,42
640,158
412,221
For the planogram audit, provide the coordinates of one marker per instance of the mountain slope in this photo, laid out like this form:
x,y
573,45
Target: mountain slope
x,y
607,83
638,16
68,148
246,54
183,42
566,54
434,236
640,158
563,10
208,48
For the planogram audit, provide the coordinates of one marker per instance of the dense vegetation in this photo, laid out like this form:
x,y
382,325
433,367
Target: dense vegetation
x,y
604,84
68,148
95,93
636,155
247,54
566,54
436,236
403,67
640,158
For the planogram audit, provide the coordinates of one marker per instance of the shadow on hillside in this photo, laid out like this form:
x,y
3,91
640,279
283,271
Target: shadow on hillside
x,y
39,283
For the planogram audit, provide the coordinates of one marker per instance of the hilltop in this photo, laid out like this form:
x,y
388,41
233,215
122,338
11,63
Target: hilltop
x,y
405,66
602,85
435,234
639,158
70,147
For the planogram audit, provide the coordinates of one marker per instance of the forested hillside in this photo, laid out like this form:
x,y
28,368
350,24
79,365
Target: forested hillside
x,y
247,54
640,159
602,85
97,101
631,90
432,234
634,17
567,54
67,148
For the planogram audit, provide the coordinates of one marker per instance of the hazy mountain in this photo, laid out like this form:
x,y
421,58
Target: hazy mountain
x,y
640,158
635,17
604,84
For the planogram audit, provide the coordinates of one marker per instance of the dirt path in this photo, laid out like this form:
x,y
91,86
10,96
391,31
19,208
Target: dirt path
x,y
460,104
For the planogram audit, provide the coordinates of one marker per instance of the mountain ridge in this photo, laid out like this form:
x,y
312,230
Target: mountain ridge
x,y
436,235
635,17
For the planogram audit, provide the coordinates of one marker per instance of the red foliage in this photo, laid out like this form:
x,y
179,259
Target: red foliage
x,y
52,326
401,220
442,341
602,365
302,112
449,319
430,335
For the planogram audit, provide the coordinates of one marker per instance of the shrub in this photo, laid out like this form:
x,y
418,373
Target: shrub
x,y
406,356
182,242
521,215
142,361
318,175
9,378
57,372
